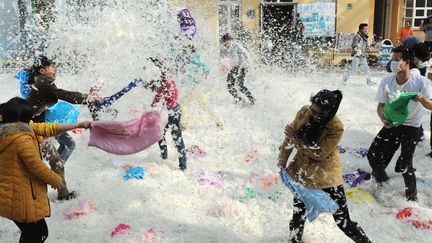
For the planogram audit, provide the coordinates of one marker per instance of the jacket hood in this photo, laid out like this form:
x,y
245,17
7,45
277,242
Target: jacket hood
x,y
9,132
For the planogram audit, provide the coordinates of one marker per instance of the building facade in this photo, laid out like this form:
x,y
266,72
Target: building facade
x,y
384,17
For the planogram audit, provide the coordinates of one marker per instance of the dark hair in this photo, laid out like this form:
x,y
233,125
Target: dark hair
x,y
16,110
422,52
40,62
406,53
362,25
226,37
329,102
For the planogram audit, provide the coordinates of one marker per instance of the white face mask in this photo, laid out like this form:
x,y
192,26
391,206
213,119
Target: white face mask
x,y
421,64
395,66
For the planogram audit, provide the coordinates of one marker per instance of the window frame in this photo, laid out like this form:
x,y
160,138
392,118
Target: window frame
x,y
230,4
414,16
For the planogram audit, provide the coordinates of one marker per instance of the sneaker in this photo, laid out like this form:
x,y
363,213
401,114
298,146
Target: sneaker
x,y
412,198
183,168
429,154
369,82
380,180
399,169
69,196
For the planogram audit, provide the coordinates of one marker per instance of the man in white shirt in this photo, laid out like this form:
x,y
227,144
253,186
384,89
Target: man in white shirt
x,y
388,140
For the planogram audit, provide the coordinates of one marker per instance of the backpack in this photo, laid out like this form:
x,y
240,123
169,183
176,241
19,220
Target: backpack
x,y
23,76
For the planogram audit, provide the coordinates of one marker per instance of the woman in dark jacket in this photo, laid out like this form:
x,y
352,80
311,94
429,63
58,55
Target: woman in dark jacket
x,y
315,133
43,94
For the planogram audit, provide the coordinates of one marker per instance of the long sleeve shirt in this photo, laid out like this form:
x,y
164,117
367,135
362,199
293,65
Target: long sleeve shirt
x,y
236,52
44,93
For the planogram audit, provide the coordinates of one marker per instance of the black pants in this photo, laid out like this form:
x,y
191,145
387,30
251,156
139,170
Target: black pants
x,y
384,146
236,76
174,122
36,232
341,217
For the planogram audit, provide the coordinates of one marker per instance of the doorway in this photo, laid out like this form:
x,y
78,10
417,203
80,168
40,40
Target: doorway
x,y
382,19
277,21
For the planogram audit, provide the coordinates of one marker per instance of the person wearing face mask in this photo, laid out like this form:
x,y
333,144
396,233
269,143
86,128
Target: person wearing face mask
x,y
420,65
359,48
238,57
421,55
406,136
315,133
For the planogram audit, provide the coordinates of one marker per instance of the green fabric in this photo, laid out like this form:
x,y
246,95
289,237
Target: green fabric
x,y
396,112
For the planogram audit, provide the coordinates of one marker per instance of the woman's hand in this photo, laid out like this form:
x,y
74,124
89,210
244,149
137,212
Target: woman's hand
x,y
281,164
84,124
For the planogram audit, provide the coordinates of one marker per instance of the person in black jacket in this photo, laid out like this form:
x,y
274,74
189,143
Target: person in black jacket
x,y
43,94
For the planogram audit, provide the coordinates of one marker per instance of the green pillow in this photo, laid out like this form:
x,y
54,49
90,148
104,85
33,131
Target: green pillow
x,y
396,112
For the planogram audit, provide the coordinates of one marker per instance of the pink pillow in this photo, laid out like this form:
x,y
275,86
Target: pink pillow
x,y
126,137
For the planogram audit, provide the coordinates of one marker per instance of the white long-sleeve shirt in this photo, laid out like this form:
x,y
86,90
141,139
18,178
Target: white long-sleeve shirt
x,y
236,52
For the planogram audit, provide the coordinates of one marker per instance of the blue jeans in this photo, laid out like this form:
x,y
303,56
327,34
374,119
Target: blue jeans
x,y
67,145
174,122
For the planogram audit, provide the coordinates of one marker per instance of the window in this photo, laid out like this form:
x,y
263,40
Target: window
x,y
417,10
229,15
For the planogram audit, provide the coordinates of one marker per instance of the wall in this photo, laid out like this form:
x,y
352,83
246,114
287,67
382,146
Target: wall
x,y
348,20
396,19
252,24
420,34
